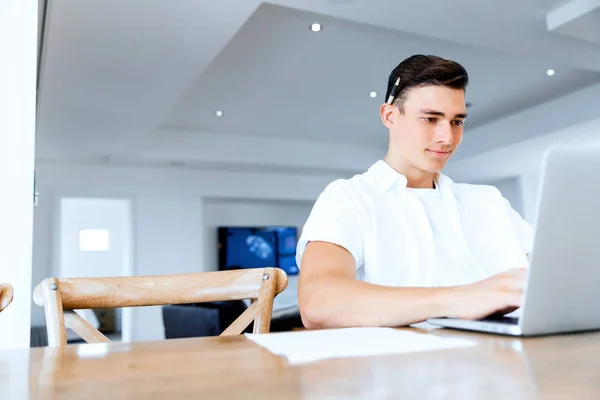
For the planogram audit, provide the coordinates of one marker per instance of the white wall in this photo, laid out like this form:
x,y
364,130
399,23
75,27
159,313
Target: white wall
x,y
520,158
167,209
558,115
268,153
511,190
18,45
529,183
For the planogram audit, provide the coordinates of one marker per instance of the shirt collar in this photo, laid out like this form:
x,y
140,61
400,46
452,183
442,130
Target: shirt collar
x,y
386,177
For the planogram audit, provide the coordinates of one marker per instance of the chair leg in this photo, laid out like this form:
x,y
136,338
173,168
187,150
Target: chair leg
x,y
55,321
241,322
83,328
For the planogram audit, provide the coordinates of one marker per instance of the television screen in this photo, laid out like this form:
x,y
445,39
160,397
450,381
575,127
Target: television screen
x,y
258,247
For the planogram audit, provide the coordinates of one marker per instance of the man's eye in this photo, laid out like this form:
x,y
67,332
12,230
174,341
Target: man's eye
x,y
430,120
458,122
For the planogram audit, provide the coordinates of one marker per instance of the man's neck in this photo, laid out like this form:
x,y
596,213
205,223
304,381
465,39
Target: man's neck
x,y
415,178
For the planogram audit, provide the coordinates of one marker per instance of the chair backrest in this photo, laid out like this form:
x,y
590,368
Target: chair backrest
x,y
6,295
59,295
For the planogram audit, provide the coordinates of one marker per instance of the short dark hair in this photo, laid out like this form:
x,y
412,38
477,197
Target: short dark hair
x,y
425,70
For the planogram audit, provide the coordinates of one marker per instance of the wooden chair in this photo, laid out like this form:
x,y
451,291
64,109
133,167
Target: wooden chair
x,y
6,295
57,295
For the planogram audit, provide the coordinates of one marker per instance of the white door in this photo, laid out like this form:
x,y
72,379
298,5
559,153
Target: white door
x,y
18,52
95,238
96,241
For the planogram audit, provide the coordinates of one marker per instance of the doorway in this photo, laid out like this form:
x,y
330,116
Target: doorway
x,y
95,240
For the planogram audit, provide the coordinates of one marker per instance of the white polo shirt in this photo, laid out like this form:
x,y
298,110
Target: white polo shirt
x,y
454,234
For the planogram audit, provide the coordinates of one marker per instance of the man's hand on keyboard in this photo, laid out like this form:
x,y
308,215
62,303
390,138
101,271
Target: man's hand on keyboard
x,y
498,294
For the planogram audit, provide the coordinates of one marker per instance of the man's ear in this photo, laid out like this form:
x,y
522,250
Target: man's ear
x,y
386,111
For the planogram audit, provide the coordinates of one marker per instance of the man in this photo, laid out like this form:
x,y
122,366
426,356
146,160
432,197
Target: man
x,y
402,242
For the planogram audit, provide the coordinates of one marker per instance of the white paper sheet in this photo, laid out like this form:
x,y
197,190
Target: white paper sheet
x,y
308,346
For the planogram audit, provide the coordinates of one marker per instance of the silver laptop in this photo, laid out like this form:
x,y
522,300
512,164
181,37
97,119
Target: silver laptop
x,y
562,292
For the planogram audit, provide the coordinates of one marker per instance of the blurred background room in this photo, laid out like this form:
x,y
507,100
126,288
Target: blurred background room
x,y
195,135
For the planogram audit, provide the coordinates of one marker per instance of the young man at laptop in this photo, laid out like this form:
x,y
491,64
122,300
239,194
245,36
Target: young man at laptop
x,y
402,243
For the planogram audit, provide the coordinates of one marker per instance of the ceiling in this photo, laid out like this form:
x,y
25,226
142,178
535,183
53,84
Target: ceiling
x,y
123,81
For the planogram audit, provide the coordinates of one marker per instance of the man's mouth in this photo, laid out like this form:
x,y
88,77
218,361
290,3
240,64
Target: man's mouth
x,y
440,153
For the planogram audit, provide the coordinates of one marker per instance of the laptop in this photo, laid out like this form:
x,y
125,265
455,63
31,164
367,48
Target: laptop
x,y
562,292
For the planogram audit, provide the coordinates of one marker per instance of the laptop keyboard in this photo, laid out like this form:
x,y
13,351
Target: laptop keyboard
x,y
501,319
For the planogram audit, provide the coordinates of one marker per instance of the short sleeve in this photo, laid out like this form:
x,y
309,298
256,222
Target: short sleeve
x,y
334,218
523,229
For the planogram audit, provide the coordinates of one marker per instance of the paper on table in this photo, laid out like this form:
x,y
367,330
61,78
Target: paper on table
x,y
307,346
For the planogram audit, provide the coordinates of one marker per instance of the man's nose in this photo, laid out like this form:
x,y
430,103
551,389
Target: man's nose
x,y
444,133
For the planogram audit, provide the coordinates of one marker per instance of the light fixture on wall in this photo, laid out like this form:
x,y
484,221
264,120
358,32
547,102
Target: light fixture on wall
x,y
219,113
315,27
550,72
372,94
94,240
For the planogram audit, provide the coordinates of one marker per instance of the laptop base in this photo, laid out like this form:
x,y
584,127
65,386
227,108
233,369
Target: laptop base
x,y
510,327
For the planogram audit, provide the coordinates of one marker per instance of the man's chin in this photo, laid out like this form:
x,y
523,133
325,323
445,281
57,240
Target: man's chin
x,y
434,168
430,164
436,165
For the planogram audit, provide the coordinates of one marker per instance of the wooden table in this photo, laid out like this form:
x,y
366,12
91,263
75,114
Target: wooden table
x,y
560,367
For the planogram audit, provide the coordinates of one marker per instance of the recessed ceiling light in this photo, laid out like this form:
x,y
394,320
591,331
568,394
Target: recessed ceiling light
x,y
316,27
550,72
373,94
219,113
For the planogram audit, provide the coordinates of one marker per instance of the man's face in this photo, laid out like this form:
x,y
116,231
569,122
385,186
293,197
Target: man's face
x,y
430,129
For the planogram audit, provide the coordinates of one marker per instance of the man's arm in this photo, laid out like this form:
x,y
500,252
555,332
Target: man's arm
x,y
330,296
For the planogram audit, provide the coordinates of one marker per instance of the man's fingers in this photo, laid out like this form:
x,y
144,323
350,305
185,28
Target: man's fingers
x,y
517,272
514,279
513,299
517,284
